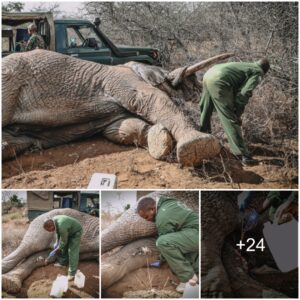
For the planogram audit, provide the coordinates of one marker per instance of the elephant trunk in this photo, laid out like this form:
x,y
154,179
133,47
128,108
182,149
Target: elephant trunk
x,y
12,281
130,226
24,250
133,256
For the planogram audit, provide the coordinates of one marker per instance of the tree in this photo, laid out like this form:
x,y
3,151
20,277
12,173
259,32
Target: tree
x,y
54,8
15,201
13,7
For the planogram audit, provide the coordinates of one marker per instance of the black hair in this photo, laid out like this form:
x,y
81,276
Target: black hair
x,y
264,64
48,222
145,203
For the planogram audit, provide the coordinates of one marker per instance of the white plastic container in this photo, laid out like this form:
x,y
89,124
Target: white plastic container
x,y
283,243
59,286
79,279
191,292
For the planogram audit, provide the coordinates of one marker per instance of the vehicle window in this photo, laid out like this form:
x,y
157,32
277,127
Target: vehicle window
x,y
89,203
88,32
74,39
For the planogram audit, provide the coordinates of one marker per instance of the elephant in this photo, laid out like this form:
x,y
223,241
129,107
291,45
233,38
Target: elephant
x,y
49,99
223,270
138,238
35,247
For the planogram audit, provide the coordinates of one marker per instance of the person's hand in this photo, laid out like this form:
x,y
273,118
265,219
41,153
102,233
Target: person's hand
x,y
156,264
251,220
52,253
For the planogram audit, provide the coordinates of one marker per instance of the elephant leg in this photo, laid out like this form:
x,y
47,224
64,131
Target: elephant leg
x,y
156,107
12,145
133,256
134,131
12,281
214,279
219,218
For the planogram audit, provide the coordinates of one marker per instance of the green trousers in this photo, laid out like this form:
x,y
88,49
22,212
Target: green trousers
x,y
219,95
181,251
70,253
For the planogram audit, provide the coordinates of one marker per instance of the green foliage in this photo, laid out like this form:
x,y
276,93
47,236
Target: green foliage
x,y
126,207
15,201
13,7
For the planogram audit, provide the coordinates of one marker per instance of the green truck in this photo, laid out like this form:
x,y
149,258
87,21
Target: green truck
x,y
39,202
78,38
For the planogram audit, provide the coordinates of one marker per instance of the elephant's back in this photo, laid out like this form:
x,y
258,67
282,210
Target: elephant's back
x,y
90,226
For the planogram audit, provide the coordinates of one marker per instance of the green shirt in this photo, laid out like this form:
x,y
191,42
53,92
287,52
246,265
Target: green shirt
x,y
172,216
65,227
242,77
34,42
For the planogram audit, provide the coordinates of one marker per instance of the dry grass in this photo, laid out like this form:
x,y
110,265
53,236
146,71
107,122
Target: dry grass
x,y
14,226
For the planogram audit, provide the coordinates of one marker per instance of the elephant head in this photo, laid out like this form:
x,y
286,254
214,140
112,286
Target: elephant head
x,y
181,83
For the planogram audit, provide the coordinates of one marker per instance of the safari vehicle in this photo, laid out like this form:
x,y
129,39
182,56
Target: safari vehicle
x,y
78,38
39,202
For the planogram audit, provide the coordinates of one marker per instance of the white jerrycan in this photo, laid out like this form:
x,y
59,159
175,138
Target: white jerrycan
x,y
283,243
79,279
59,286
191,292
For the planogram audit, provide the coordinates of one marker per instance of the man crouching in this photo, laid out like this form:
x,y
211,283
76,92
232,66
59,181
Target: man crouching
x,y
178,241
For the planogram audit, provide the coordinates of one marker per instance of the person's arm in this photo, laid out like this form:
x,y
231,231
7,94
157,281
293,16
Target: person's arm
x,y
245,93
63,240
165,228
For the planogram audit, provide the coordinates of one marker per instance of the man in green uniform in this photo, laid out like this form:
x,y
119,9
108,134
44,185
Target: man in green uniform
x,y
178,230
35,41
227,88
68,235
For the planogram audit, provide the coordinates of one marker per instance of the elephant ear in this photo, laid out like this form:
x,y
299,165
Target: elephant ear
x,y
150,74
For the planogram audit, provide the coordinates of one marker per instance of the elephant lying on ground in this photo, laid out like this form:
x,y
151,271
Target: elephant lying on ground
x,y
138,238
35,247
223,271
49,99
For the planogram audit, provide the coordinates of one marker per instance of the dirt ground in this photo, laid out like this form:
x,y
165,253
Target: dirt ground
x,y
72,165
146,279
39,283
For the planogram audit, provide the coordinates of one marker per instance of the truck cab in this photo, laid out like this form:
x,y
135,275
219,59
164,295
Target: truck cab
x,y
78,38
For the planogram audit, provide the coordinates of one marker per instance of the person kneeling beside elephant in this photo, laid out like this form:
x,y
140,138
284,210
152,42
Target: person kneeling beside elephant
x,y
178,241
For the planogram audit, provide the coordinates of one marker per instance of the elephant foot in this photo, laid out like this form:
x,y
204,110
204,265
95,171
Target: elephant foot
x,y
215,284
160,142
196,146
11,284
